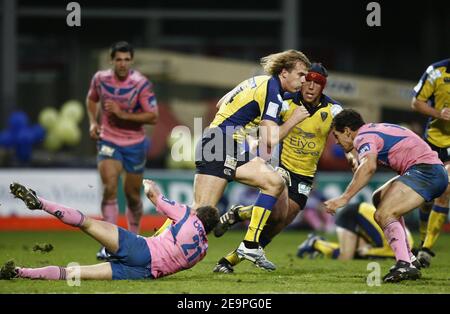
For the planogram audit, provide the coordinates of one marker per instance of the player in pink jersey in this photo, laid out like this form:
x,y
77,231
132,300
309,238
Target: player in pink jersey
x,y
123,101
180,247
422,177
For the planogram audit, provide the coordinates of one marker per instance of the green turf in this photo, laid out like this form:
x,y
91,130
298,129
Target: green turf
x,y
292,276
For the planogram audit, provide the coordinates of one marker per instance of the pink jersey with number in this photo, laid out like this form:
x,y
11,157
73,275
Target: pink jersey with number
x,y
134,95
180,246
396,146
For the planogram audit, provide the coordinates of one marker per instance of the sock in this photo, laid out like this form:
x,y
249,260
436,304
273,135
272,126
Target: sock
x,y
165,225
232,259
326,248
245,213
336,253
260,214
49,273
110,211
438,216
67,215
402,222
134,216
396,238
423,223
264,240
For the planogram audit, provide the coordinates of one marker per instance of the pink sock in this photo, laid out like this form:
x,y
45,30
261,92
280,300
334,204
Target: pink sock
x,y
134,216
397,240
110,211
49,273
402,222
67,215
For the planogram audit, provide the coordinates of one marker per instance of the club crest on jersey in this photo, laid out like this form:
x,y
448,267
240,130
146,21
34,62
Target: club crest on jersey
x,y
364,148
324,115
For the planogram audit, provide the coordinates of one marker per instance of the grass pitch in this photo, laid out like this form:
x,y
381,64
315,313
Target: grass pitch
x,y
293,275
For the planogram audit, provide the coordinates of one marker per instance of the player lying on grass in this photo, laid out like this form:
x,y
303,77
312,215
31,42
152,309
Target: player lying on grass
x,y
359,236
421,178
180,247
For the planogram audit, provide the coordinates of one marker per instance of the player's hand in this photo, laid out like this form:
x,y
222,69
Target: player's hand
x,y
445,114
113,107
94,131
300,113
335,203
151,189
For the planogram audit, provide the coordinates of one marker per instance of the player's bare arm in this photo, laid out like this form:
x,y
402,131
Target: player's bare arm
x,y
92,111
140,117
352,159
427,110
151,190
365,171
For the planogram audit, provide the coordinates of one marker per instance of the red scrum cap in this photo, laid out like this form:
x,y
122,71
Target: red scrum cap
x,y
318,74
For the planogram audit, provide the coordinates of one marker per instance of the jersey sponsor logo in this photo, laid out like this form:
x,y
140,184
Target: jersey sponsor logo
x,y
272,109
302,143
433,74
447,80
304,189
106,150
335,109
230,162
364,148
305,134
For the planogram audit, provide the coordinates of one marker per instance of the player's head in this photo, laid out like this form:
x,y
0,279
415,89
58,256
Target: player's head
x,y
290,66
316,79
122,54
209,216
345,126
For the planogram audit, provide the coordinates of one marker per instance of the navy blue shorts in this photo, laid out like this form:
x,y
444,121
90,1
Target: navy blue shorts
x,y
430,181
133,157
133,257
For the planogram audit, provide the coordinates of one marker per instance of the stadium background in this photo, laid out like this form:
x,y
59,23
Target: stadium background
x,y
194,52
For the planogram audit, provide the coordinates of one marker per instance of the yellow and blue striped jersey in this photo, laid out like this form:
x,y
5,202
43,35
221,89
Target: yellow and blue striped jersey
x,y
301,149
434,88
256,99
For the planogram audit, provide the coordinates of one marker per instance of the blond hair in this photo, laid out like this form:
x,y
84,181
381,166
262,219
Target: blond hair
x,y
273,64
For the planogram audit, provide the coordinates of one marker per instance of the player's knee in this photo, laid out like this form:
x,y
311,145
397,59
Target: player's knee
x,y
110,191
379,217
274,183
376,198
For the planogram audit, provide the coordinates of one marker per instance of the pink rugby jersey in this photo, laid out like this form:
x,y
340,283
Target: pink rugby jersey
x,y
180,246
396,146
134,95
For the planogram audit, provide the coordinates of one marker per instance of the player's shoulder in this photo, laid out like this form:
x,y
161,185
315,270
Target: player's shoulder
x,y
104,74
334,106
440,64
138,77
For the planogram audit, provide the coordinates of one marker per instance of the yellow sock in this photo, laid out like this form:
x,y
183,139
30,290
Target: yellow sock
x,y
257,223
423,226
325,247
233,258
424,214
165,225
245,213
435,223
